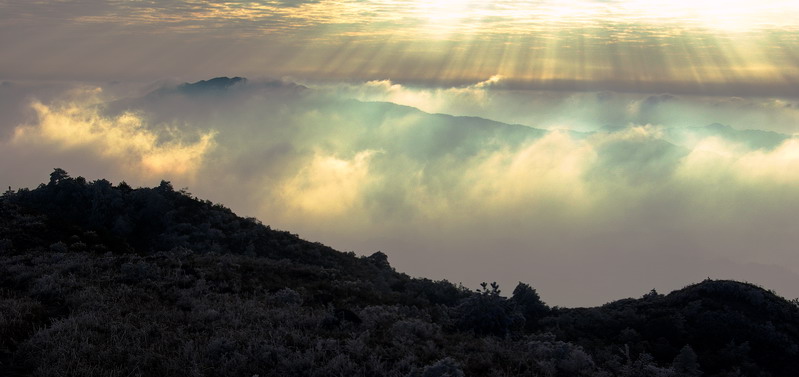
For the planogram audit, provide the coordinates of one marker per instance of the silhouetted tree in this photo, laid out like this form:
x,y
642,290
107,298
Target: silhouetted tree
x,y
485,312
529,304
379,259
57,176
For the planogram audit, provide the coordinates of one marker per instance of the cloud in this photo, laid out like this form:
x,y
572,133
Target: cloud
x,y
744,49
547,172
296,3
496,98
327,186
123,138
458,197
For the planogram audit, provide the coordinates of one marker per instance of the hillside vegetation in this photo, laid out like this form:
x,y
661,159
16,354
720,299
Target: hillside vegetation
x,y
99,279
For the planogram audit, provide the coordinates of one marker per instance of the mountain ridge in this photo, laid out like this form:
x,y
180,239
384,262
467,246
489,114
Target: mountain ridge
x,y
761,139
74,270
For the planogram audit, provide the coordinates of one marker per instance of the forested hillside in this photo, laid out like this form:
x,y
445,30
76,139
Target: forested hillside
x,y
98,279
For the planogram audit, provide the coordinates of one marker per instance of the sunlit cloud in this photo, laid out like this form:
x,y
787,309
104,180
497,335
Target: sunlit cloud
x,y
730,163
462,16
124,138
328,186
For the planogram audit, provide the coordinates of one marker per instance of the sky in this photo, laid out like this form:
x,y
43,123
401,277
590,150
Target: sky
x,y
593,149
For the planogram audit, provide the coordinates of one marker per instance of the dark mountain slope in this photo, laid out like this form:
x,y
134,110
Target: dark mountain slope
x,y
70,214
727,323
99,280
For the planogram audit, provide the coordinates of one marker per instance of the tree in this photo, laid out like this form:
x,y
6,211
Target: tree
x,y
529,303
58,175
686,364
485,312
379,259
165,187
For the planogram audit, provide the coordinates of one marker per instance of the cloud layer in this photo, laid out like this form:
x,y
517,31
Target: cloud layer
x,y
736,48
602,196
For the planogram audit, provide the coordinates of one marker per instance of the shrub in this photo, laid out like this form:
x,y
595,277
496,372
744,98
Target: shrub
x,y
485,312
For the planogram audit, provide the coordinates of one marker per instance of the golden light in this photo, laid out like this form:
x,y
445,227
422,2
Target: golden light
x,y
627,42
124,138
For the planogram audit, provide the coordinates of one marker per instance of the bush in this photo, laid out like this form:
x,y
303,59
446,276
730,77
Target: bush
x,y
286,297
485,312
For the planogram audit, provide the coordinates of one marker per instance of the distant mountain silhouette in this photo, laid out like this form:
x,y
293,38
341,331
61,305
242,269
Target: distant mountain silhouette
x,y
207,104
755,139
214,84
103,279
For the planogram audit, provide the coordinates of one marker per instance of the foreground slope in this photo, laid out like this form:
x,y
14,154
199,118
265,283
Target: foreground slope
x,y
101,279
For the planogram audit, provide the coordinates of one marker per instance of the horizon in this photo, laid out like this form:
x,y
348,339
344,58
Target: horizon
x,y
592,149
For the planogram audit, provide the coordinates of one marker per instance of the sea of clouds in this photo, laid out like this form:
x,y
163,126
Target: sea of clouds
x,y
588,196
